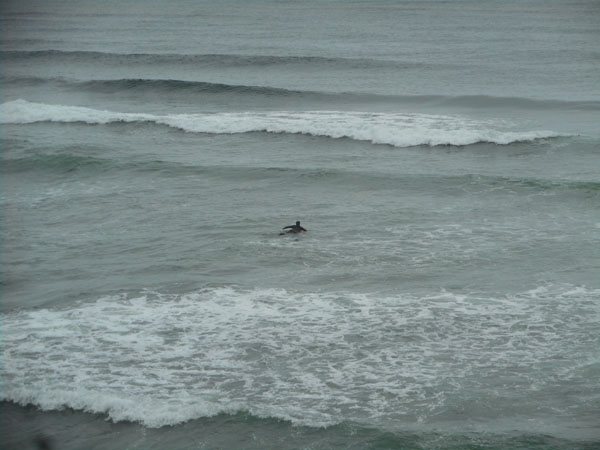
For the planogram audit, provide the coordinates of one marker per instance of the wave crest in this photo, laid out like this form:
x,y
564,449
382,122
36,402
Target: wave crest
x,y
396,129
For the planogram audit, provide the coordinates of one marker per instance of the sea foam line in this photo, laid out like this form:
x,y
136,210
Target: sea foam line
x,y
396,129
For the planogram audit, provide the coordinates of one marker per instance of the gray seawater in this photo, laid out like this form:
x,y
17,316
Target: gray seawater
x,y
444,156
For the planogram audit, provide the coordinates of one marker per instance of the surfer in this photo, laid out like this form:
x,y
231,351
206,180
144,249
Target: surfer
x,y
295,228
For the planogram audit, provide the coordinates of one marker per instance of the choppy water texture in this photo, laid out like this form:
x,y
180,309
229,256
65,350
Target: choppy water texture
x,y
443,156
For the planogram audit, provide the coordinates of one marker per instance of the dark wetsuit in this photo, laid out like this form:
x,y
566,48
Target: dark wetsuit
x,y
295,228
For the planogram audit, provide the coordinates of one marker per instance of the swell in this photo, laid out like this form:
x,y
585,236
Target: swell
x,y
170,86
201,60
64,163
61,163
150,85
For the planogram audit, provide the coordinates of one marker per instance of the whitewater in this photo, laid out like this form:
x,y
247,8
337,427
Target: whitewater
x,y
146,352
399,130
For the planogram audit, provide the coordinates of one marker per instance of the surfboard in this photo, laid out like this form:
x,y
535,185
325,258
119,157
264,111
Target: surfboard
x,y
291,232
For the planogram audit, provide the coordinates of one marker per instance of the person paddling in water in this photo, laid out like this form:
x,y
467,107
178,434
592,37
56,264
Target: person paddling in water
x,y
294,228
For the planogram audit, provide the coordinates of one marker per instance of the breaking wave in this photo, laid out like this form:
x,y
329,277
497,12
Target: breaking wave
x,y
395,129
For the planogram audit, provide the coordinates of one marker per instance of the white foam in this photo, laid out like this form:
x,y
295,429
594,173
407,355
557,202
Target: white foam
x,y
311,358
396,129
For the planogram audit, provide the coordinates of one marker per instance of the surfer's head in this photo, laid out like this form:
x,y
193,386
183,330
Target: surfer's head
x,y
298,222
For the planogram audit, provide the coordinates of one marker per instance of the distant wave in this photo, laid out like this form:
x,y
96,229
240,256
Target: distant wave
x,y
157,86
59,162
178,85
187,87
399,130
477,101
220,60
166,86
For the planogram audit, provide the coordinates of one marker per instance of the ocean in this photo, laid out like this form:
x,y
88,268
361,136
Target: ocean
x,y
444,156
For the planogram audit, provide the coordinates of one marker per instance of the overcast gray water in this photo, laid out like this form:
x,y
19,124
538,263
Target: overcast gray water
x,y
444,156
